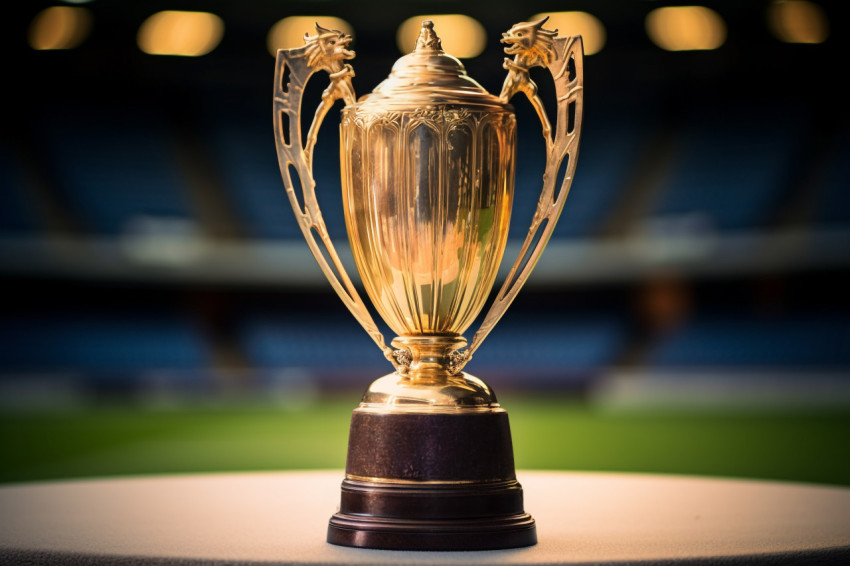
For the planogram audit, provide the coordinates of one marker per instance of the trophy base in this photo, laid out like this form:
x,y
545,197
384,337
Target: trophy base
x,y
431,477
390,530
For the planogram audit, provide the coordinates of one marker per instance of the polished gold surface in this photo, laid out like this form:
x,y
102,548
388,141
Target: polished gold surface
x,y
428,77
395,393
427,196
428,172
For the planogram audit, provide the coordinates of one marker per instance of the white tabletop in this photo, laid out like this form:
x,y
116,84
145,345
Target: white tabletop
x,y
282,518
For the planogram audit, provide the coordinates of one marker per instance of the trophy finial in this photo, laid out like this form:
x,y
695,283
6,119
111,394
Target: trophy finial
x,y
428,40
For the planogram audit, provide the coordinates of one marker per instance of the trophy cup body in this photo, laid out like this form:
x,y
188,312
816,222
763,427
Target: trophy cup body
x,y
427,163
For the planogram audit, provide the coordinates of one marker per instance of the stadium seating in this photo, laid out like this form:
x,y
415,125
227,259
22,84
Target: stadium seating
x,y
524,351
245,156
327,345
114,168
119,344
732,167
17,213
833,203
795,342
540,350
244,153
729,170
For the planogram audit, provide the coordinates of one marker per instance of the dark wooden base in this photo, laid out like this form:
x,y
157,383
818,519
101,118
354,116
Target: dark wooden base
x,y
412,516
441,481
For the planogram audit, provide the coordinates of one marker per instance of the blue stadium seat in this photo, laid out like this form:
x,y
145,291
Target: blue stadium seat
x,y
791,342
610,145
246,157
327,342
732,166
609,153
117,343
529,349
114,168
17,212
833,205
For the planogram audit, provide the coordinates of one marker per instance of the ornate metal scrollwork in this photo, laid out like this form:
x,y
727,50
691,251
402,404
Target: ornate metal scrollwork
x,y
533,46
326,51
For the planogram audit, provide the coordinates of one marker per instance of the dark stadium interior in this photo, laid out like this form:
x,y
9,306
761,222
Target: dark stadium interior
x,y
146,241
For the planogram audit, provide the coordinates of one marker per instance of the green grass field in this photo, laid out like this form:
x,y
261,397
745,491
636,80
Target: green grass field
x,y
549,433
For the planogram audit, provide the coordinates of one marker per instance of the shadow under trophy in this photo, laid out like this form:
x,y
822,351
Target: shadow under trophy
x,y
427,177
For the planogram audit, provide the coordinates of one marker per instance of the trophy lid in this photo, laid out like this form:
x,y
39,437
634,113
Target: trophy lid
x,y
428,76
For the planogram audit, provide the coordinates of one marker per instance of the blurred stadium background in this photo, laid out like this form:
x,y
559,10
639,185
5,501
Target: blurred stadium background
x,y
162,312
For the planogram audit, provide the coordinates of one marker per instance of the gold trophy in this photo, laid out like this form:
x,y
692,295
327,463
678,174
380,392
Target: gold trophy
x,y
427,178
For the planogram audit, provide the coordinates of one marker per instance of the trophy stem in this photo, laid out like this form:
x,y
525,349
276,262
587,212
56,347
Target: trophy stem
x,y
430,361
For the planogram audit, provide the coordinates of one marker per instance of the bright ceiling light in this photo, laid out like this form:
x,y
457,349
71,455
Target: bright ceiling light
x,y
686,28
289,32
59,27
586,25
461,36
189,34
798,21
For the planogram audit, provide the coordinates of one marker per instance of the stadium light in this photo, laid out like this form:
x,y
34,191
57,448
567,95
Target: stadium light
x,y
59,27
187,34
289,32
686,28
798,21
588,26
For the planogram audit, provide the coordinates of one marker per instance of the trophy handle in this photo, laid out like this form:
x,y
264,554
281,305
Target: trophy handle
x,y
566,63
293,68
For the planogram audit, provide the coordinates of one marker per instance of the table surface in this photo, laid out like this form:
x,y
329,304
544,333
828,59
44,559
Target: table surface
x,y
282,518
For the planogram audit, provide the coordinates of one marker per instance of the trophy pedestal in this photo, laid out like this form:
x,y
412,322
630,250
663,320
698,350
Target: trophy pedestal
x,y
397,526
431,478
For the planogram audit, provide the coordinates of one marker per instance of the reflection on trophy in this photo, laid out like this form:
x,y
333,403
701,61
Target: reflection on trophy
x,y
428,175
